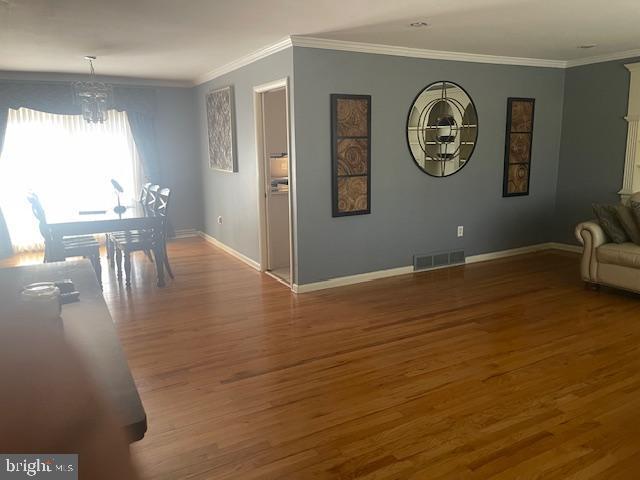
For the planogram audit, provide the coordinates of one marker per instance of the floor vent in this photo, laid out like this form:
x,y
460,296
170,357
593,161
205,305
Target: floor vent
x,y
425,262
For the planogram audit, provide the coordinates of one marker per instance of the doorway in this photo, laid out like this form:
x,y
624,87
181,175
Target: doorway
x,y
274,178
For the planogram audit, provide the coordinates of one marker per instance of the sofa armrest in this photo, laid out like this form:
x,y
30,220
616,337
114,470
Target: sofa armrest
x,y
593,230
591,235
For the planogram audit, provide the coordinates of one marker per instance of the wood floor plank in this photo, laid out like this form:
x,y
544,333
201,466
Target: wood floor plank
x,y
504,369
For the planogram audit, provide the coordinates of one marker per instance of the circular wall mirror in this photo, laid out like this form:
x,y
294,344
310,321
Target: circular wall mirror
x,y
442,129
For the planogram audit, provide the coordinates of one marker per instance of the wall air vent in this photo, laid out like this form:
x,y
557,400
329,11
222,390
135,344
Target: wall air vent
x,y
422,262
436,260
456,257
440,259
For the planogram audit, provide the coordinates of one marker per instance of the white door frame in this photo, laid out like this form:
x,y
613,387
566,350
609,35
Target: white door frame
x,y
260,161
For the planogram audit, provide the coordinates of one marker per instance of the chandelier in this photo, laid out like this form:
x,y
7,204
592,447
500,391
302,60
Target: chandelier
x,y
95,98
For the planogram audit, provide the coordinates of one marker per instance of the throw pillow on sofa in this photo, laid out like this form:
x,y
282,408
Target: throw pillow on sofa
x,y
628,222
608,219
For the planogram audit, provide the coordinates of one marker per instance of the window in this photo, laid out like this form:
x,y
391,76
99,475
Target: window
x,y
66,161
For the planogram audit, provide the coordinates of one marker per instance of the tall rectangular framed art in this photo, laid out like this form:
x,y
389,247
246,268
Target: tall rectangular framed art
x,y
220,123
351,154
518,141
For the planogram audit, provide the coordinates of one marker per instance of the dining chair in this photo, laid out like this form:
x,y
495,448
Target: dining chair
x,y
77,246
143,200
152,197
144,195
162,210
147,241
148,205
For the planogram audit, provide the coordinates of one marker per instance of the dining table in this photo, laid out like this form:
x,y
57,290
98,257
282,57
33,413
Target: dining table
x,y
96,221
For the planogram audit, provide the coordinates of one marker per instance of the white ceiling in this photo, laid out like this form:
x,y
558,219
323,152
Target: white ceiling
x,y
184,39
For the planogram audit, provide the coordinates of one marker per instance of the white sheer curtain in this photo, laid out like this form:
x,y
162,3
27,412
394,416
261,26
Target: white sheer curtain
x,y
66,161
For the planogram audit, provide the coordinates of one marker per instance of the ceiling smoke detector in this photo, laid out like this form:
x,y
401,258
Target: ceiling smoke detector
x,y
418,24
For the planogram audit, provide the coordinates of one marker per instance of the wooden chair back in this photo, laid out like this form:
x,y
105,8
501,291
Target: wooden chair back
x,y
144,195
162,208
38,212
152,198
162,202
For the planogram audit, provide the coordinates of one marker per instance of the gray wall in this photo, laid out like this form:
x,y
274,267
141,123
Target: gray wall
x,y
176,136
178,154
234,196
594,135
411,211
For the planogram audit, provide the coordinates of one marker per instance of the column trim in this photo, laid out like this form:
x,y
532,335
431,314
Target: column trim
x,y
631,160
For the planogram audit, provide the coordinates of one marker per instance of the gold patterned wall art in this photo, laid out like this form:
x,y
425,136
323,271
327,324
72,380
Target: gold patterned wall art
x,y
518,141
351,154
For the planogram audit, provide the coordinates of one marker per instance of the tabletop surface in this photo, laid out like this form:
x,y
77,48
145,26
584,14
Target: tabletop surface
x,y
89,328
95,215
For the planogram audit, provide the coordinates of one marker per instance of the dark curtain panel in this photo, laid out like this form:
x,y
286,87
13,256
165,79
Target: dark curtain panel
x,y
139,103
4,118
5,239
144,136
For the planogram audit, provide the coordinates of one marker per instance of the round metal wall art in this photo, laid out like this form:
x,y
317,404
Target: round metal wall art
x,y
442,129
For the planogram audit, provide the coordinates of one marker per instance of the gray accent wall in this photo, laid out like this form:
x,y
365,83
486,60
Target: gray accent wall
x,y
411,212
594,136
178,154
234,196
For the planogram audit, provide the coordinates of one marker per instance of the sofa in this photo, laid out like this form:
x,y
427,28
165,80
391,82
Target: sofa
x,y
605,263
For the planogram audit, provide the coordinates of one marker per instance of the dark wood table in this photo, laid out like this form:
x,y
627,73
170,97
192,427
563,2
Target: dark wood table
x,y
133,218
89,328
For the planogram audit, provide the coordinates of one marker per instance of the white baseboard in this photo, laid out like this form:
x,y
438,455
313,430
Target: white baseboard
x,y
185,233
483,257
522,250
351,279
222,246
565,247
278,279
367,277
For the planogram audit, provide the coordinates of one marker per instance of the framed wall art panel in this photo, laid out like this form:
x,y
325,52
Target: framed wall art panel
x,y
351,154
220,124
518,141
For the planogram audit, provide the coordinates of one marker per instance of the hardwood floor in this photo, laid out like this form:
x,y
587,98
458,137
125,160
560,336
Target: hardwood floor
x,y
503,370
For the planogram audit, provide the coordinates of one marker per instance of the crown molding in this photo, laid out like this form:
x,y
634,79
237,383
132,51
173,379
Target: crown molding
x,y
604,58
243,61
378,49
49,77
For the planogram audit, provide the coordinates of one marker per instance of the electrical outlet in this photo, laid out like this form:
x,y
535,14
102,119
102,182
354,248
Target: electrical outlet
x,y
220,220
460,231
